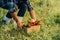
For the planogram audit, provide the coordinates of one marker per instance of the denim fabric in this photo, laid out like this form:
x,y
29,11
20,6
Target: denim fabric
x,y
22,9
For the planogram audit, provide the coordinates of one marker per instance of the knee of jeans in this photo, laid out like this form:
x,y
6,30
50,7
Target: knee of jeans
x,y
12,7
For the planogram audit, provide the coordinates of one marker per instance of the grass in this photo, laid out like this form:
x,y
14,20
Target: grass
x,y
48,10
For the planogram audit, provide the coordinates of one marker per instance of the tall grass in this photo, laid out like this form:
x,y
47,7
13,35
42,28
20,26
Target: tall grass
x,y
48,10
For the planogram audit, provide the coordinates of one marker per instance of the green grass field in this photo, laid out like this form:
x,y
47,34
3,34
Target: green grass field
x,y
48,10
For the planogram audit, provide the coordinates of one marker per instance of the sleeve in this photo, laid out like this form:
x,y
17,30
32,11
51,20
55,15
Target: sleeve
x,y
11,6
29,5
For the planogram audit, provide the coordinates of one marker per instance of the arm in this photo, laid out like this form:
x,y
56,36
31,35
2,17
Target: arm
x,y
12,9
15,17
30,9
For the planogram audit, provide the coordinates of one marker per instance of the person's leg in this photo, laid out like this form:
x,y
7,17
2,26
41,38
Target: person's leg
x,y
7,18
12,10
22,11
8,15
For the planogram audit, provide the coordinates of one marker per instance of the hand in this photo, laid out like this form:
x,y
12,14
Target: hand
x,y
19,24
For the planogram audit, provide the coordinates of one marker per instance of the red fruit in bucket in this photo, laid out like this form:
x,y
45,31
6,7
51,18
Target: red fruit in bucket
x,y
32,23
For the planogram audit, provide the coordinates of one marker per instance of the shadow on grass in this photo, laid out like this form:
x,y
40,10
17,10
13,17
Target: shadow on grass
x,y
25,34
16,32
0,24
56,38
57,19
